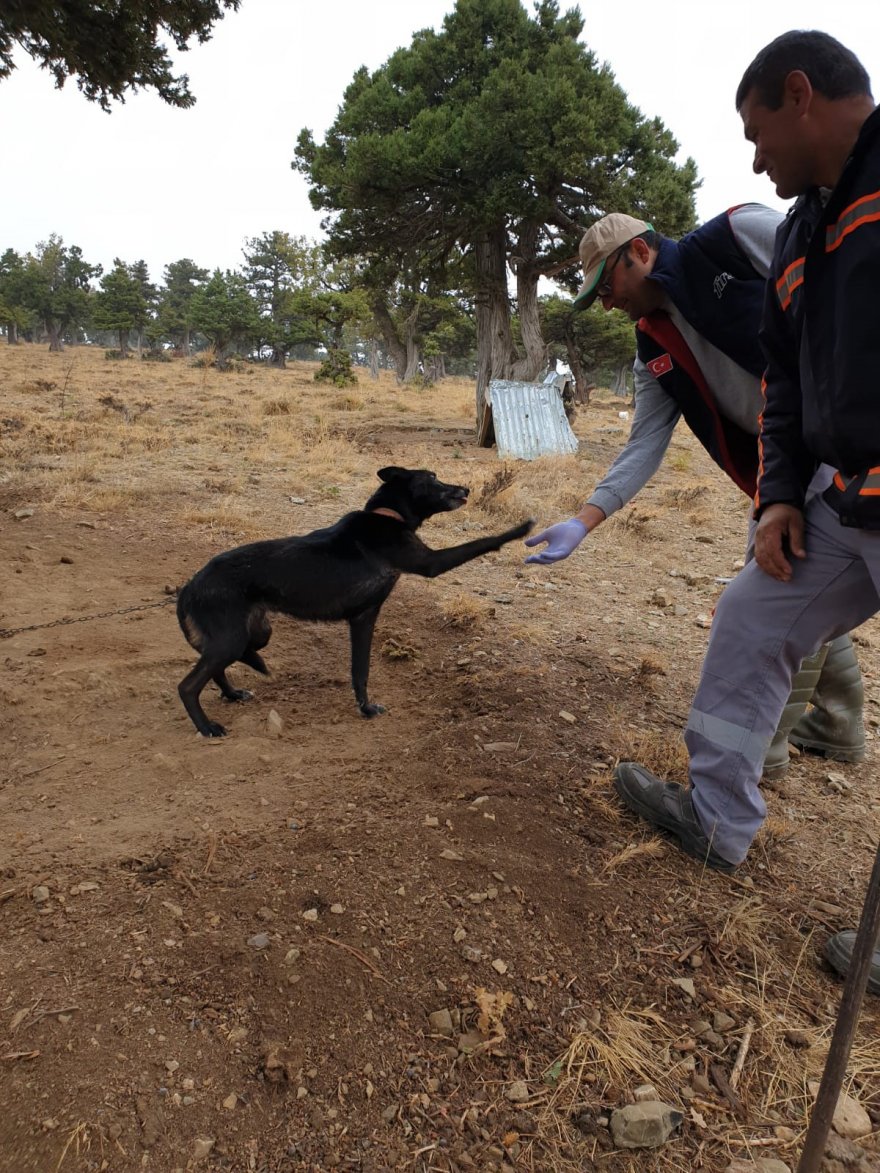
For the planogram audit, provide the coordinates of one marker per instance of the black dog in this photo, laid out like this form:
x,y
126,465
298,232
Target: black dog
x,y
346,571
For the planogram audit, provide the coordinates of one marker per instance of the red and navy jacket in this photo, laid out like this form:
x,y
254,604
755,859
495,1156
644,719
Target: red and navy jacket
x,y
713,284
821,336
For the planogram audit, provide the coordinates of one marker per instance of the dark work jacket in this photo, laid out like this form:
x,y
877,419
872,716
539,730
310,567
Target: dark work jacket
x,y
715,287
821,336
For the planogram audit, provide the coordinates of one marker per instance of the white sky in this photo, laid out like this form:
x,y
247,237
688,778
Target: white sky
x,y
148,181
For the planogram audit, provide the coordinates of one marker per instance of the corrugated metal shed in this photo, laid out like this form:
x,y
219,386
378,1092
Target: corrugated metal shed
x,y
529,420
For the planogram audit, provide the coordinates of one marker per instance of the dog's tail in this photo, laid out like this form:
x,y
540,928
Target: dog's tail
x,y
255,661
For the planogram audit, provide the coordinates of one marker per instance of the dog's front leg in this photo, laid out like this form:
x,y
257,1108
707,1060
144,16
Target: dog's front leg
x,y
361,631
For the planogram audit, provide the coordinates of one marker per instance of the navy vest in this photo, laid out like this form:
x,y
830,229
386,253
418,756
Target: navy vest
x,y
714,286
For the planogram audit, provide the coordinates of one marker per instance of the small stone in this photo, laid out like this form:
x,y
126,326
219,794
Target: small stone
x,y
723,1022
644,1126
518,1092
274,724
470,953
259,941
798,1038
292,956
441,1023
703,621
337,909
499,966
66,560
566,716
202,1147
311,914
431,821
850,1119
498,746
171,1065
230,1102
687,985
645,1092
448,853
661,599
40,894
22,514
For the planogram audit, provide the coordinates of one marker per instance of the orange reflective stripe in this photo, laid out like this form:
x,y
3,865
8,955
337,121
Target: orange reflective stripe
x,y
863,211
870,488
789,281
760,445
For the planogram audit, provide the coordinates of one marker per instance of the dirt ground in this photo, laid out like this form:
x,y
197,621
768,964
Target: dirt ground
x,y
224,955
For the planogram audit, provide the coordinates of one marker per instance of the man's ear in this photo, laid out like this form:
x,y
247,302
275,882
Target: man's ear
x,y
798,91
640,250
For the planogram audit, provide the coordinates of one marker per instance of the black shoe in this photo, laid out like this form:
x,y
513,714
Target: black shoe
x,y
669,807
839,951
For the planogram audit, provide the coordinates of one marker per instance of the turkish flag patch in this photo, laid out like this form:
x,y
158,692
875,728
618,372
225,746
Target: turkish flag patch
x,y
660,366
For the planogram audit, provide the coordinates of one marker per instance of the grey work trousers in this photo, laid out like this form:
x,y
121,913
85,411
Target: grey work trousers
x,y
761,632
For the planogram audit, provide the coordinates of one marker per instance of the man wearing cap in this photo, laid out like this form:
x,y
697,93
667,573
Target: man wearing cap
x,y
697,303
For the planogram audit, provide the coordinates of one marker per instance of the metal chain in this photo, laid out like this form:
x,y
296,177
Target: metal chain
x,y
6,632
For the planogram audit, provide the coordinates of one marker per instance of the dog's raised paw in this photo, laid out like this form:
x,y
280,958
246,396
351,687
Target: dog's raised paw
x,y
238,694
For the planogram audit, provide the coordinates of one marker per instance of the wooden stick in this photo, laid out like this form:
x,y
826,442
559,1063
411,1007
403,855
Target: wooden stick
x,y
741,1053
845,1028
362,957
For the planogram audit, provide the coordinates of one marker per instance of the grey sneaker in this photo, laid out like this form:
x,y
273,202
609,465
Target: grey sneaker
x,y
669,807
839,951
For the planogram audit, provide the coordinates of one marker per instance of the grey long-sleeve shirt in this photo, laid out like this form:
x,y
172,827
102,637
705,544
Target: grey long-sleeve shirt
x,y
737,393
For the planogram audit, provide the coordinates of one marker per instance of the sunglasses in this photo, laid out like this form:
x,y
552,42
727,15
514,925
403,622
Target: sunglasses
x,y
603,289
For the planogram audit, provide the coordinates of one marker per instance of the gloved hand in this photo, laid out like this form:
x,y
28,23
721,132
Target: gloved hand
x,y
561,538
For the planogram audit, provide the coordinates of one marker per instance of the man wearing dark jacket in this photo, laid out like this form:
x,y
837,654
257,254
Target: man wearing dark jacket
x,y
806,104
697,303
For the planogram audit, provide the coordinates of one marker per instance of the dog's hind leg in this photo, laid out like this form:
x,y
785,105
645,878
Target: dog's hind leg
x,y
255,661
216,657
228,692
361,631
190,689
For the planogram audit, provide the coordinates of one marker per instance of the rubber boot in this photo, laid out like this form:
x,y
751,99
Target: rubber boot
x,y
802,688
833,726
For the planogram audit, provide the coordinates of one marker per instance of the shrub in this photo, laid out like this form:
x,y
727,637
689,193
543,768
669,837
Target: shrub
x,y
336,370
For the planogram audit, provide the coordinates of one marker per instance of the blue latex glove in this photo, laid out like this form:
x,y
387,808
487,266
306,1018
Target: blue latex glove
x,y
561,539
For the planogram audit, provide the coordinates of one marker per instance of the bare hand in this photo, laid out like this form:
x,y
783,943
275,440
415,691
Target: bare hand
x,y
781,527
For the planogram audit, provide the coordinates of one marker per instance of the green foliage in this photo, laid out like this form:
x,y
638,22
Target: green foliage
x,y
489,146
603,342
55,287
225,313
174,310
336,369
110,47
279,269
121,304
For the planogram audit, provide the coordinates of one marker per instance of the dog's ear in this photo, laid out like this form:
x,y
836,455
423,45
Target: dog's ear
x,y
392,473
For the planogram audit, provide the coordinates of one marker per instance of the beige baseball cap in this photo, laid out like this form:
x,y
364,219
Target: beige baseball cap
x,y
598,243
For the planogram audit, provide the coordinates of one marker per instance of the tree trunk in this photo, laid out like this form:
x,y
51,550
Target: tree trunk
x,y
413,356
496,353
373,352
187,344
12,333
278,358
529,367
123,343
388,330
54,330
581,383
